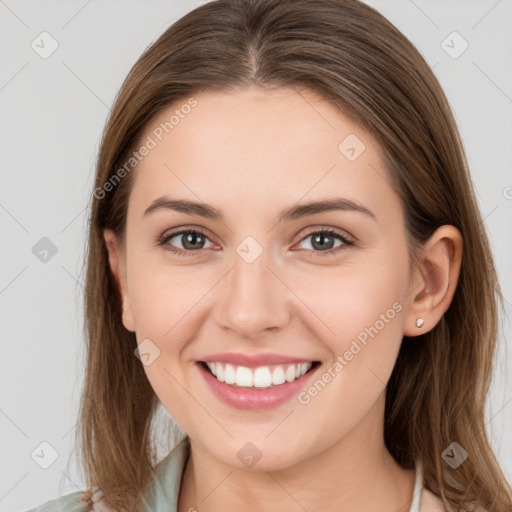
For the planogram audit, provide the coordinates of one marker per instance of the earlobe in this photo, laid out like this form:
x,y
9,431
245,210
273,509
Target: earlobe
x,y
435,280
117,266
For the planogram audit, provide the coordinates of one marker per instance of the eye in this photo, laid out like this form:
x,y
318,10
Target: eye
x,y
192,241
324,239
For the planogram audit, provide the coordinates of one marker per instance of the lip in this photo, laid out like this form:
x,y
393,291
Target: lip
x,y
253,360
254,398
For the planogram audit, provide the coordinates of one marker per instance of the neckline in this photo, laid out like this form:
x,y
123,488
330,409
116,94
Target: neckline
x,y
170,472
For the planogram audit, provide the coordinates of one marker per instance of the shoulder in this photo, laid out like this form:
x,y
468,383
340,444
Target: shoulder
x,y
430,502
69,503
164,489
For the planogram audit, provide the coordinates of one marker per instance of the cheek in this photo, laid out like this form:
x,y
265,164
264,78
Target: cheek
x,y
164,297
361,312
353,302
166,306
362,306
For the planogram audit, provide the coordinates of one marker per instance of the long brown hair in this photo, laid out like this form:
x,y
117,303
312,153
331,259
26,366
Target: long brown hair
x,y
351,55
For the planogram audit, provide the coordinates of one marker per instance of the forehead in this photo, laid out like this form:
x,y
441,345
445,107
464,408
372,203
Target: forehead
x,y
258,146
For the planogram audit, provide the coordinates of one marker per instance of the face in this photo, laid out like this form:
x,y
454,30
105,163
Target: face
x,y
260,295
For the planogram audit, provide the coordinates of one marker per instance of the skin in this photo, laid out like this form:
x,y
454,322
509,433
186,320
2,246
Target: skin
x,y
251,154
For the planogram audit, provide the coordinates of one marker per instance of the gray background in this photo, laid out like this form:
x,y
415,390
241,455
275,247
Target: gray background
x,y
52,115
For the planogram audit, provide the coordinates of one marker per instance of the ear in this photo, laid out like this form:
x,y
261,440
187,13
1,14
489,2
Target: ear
x,y
117,261
434,282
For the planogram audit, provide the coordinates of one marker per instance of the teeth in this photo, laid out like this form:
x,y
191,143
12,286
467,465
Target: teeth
x,y
261,377
243,377
229,373
278,375
220,373
290,373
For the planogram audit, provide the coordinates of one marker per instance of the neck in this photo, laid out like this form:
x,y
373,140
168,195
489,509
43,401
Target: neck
x,y
357,473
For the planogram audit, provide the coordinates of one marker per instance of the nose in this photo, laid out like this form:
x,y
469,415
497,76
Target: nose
x,y
254,299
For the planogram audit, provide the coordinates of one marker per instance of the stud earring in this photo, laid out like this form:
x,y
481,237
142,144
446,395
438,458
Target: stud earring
x,y
419,322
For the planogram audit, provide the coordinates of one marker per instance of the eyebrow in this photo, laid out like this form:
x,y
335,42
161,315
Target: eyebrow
x,y
292,213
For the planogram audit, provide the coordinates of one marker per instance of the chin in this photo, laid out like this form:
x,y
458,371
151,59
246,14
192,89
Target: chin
x,y
257,452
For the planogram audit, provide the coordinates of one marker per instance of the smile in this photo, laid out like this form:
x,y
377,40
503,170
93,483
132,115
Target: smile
x,y
259,377
256,386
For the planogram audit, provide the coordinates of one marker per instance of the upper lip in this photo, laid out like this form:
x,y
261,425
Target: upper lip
x,y
254,360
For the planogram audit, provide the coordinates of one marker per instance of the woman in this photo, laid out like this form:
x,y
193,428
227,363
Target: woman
x,y
285,251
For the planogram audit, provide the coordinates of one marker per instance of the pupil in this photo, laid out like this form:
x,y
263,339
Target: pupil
x,y
191,238
316,238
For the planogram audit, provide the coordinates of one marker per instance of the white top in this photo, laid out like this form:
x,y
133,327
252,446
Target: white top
x,y
418,486
163,493
422,499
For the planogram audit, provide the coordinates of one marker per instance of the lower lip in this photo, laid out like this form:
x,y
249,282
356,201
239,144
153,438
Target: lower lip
x,y
255,398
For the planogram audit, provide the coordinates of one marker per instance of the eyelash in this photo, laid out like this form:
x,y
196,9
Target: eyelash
x,y
182,252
